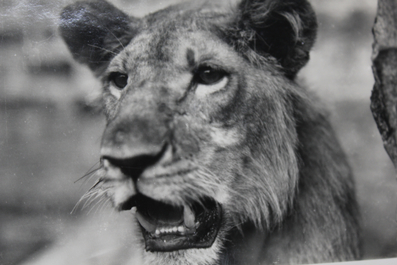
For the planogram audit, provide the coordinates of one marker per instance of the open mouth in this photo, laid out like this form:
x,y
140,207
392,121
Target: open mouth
x,y
169,228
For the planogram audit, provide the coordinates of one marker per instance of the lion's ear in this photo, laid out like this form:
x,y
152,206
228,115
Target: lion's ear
x,y
95,31
285,29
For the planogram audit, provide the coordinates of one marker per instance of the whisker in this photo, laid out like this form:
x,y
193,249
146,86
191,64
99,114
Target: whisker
x,y
91,196
97,194
106,200
96,205
103,49
89,171
94,192
103,201
100,180
74,208
88,200
95,174
116,38
84,197
89,174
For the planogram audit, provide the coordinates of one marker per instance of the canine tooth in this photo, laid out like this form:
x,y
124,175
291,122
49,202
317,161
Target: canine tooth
x,y
157,232
188,217
162,230
148,226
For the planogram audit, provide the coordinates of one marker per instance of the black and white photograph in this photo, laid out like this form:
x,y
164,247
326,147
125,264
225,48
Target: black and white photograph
x,y
203,132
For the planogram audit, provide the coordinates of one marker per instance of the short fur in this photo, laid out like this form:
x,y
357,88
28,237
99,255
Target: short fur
x,y
259,146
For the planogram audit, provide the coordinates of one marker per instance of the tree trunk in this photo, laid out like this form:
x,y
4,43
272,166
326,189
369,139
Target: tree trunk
x,y
384,59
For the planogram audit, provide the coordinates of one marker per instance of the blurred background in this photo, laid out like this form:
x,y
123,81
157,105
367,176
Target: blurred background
x,y
50,132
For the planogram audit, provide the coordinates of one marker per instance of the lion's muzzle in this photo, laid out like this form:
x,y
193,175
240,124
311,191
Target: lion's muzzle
x,y
143,153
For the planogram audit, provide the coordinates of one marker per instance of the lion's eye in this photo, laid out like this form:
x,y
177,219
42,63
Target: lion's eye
x,y
120,80
209,81
209,76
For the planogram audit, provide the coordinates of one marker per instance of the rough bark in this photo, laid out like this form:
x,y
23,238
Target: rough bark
x,y
384,58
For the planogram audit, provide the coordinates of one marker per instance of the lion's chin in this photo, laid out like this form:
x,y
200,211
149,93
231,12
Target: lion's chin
x,y
168,228
201,256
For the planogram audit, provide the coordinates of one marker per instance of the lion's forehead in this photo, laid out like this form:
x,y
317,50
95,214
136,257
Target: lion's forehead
x,y
173,49
169,45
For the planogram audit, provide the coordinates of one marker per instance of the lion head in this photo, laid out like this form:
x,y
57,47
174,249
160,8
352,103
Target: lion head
x,y
201,136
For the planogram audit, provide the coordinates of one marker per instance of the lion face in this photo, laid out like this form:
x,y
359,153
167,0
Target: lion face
x,y
178,137
166,139
200,137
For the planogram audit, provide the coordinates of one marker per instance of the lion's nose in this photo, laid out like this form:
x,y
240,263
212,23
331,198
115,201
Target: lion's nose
x,y
133,144
134,166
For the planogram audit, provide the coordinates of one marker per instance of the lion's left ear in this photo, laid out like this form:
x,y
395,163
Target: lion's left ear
x,y
95,31
284,29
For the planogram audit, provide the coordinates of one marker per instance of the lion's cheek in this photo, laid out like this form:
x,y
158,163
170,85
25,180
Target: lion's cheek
x,y
225,137
190,135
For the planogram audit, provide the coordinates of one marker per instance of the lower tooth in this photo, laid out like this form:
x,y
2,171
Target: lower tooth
x,y
181,229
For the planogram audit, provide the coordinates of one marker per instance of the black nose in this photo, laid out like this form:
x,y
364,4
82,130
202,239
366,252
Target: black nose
x,y
134,166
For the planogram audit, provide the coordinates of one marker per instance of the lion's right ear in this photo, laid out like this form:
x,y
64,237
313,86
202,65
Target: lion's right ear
x,y
284,29
95,31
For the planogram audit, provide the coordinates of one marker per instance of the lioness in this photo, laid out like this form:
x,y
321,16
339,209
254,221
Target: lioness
x,y
220,154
